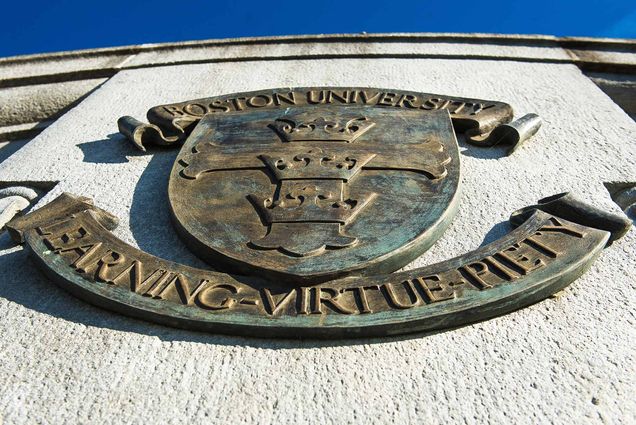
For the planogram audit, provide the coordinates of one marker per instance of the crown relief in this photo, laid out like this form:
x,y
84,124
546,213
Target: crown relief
x,y
316,163
322,129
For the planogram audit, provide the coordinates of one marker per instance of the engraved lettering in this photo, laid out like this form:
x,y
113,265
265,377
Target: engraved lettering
x,y
412,299
407,100
340,97
434,103
500,268
181,285
237,103
368,98
478,107
361,298
280,98
331,298
259,101
73,241
520,258
133,275
387,99
89,258
272,306
195,109
436,289
68,237
458,106
541,247
558,226
104,264
314,97
217,105
476,272
302,298
157,288
208,299
86,252
173,110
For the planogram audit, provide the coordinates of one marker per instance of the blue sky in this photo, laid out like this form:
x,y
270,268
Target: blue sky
x,y
44,26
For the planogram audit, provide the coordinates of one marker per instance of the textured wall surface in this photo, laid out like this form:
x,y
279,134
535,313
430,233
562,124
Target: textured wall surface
x,y
568,359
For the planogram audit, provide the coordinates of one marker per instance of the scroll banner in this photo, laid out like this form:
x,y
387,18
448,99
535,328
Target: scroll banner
x,y
171,124
70,240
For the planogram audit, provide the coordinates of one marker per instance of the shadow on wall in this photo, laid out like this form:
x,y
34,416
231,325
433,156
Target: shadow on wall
x,y
149,214
114,149
9,148
492,152
150,219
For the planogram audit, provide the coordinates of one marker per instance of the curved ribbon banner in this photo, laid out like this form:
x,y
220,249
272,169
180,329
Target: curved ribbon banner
x,y
69,239
172,123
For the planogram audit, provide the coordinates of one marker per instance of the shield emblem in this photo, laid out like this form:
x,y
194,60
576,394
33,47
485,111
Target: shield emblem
x,y
307,194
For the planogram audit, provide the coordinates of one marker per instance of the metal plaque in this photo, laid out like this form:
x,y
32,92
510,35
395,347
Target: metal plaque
x,y
304,202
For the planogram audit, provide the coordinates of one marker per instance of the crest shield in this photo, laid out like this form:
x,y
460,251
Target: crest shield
x,y
307,194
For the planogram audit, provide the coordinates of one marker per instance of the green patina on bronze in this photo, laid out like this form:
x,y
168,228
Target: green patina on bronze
x,y
311,197
310,184
308,194
171,124
69,239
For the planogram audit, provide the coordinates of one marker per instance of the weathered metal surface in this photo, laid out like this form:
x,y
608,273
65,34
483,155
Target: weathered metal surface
x,y
69,240
513,134
172,123
14,200
313,193
568,205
